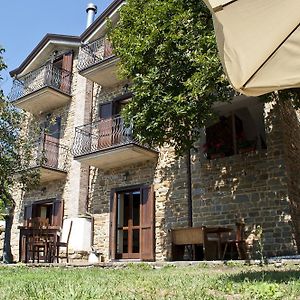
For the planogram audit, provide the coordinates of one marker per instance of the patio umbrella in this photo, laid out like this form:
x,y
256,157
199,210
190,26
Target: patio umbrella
x,y
259,43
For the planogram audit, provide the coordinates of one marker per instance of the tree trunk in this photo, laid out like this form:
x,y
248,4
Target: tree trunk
x,y
7,255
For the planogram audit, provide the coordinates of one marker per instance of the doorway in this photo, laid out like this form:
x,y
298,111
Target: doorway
x,y
132,223
128,224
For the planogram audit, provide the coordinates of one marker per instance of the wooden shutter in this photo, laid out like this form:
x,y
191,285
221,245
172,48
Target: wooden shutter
x,y
57,213
27,213
51,144
108,49
113,224
105,125
67,63
147,223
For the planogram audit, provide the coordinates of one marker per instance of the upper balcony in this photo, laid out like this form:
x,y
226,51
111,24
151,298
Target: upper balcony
x,y
98,63
108,143
42,90
50,157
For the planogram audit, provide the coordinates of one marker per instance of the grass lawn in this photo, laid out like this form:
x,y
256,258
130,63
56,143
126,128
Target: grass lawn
x,y
144,282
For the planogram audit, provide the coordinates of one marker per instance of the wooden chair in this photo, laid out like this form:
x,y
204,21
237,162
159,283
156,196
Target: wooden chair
x,y
38,242
237,242
64,245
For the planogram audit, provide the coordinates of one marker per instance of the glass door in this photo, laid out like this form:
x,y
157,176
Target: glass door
x,y
128,224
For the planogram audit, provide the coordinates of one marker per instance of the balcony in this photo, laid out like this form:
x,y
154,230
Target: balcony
x,y
98,63
50,158
42,90
108,143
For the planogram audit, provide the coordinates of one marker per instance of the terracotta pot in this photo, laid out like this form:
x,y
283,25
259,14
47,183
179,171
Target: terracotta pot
x,y
217,155
246,150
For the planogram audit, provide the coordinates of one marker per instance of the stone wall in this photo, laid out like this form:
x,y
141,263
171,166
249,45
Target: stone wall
x,y
291,136
251,186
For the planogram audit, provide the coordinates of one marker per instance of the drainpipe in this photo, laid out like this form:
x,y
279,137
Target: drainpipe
x,y
91,12
189,189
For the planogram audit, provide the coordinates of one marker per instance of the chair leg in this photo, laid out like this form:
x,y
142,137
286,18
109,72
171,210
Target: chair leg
x,y
238,250
225,249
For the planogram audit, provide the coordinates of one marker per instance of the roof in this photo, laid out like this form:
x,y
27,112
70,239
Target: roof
x,y
106,13
67,38
48,37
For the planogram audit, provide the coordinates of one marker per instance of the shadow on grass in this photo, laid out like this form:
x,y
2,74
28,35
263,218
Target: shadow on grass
x,y
280,276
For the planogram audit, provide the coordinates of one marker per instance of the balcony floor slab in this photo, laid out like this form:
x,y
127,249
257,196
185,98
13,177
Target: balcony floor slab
x,y
118,156
104,72
42,100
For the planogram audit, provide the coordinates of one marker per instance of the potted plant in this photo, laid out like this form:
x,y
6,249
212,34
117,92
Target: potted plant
x,y
245,146
215,149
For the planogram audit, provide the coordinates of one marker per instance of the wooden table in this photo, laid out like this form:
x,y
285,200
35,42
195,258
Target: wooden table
x,y
218,231
51,232
199,236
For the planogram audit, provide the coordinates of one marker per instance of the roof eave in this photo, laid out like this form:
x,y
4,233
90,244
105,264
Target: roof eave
x,y
48,37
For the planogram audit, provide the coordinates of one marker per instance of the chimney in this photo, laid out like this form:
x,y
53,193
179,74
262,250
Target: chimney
x,y
91,11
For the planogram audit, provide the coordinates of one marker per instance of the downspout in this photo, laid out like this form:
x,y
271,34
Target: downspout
x,y
89,171
189,189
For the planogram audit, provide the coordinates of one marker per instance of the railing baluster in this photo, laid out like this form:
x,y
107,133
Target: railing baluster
x,y
47,75
102,134
94,52
50,154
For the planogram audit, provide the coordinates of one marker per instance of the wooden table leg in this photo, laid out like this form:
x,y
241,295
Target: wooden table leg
x,y
219,245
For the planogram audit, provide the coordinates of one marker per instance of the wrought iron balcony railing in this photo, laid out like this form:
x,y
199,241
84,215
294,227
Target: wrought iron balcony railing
x,y
50,154
45,76
93,53
102,134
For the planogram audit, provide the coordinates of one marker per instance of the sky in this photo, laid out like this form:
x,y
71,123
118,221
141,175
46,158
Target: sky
x,y
25,22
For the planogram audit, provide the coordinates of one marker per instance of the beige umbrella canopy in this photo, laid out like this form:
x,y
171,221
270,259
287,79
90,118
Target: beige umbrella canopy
x,y
259,43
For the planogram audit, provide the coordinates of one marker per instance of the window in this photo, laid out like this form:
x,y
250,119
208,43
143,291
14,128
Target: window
x,y
113,109
237,131
51,210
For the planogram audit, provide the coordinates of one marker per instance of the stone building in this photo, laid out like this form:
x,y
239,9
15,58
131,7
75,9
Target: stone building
x,y
124,198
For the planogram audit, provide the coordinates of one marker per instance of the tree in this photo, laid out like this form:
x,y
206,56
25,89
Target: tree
x,y
15,156
167,50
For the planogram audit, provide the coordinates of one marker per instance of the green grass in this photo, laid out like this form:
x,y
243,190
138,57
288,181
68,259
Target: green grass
x,y
143,282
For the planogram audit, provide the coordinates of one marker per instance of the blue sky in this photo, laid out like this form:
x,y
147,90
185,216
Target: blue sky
x,y
25,22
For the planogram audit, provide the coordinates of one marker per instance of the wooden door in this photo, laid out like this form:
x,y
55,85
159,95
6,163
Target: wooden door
x,y
51,144
105,125
66,73
108,50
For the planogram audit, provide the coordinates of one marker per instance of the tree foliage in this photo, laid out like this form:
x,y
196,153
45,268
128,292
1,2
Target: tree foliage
x,y
167,50
15,157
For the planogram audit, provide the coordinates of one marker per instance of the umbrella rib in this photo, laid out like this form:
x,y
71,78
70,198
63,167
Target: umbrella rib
x,y
220,7
229,3
244,85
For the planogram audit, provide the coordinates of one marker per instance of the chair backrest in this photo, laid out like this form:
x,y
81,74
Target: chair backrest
x,y
66,237
240,231
69,233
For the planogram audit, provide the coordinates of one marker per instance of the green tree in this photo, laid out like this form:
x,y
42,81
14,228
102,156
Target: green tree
x,y
167,50
15,156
